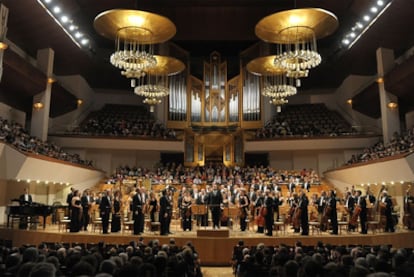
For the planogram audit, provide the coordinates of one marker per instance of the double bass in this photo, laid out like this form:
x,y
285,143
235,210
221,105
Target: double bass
x,y
260,218
325,217
408,218
296,217
353,220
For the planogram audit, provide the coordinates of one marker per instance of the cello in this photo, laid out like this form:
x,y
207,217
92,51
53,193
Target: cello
x,y
325,217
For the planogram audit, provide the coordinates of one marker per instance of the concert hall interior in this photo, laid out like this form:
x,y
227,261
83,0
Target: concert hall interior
x,y
207,124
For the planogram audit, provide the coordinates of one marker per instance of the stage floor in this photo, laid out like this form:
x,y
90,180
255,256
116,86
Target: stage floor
x,y
214,246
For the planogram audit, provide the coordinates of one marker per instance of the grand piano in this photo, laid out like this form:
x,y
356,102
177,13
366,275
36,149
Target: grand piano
x,y
25,211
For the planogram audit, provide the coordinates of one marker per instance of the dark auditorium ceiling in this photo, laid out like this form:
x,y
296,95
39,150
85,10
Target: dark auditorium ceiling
x,y
203,26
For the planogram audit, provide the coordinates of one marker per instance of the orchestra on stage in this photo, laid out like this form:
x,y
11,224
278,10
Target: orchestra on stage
x,y
263,204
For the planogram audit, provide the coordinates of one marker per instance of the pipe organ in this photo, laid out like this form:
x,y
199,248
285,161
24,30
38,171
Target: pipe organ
x,y
214,112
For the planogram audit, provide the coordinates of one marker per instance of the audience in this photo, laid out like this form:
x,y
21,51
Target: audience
x,y
15,135
258,176
305,120
125,121
55,259
322,260
399,144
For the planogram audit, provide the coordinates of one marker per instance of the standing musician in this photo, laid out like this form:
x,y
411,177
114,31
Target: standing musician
x,y
361,208
153,207
244,208
186,213
293,213
137,208
214,200
370,196
387,203
304,220
278,201
306,184
202,200
116,212
349,207
331,204
224,219
321,203
408,219
268,214
86,201
105,206
165,213
259,206
76,220
291,186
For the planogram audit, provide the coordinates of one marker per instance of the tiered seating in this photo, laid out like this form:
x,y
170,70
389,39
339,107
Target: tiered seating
x,y
305,120
398,145
123,120
14,134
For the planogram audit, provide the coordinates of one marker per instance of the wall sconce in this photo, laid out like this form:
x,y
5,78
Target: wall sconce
x,y
349,101
51,80
380,80
3,45
38,106
79,102
392,105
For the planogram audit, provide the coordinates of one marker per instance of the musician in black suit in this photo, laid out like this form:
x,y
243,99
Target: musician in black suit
x,y
321,202
105,207
214,200
138,215
268,204
291,186
304,220
350,206
25,198
202,200
165,213
278,201
408,199
361,204
387,202
306,184
333,214
370,196
86,201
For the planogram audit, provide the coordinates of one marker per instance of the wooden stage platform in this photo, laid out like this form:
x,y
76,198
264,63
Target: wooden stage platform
x,y
213,249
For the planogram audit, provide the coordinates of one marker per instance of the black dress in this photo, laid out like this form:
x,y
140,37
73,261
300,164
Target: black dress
x,y
116,216
153,210
186,214
75,220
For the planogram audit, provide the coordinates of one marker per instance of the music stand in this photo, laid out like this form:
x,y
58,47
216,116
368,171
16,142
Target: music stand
x,y
199,210
233,213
